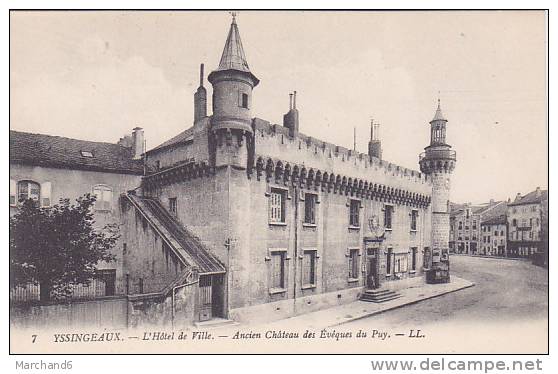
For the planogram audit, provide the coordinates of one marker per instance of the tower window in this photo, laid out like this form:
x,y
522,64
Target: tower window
x,y
173,205
244,102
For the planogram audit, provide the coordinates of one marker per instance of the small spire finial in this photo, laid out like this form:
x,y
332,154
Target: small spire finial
x,y
233,14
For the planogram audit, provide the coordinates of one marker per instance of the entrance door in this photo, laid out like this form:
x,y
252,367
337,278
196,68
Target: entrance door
x,y
211,296
372,279
206,297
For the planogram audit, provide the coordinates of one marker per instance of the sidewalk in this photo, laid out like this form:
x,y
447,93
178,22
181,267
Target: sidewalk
x,y
360,309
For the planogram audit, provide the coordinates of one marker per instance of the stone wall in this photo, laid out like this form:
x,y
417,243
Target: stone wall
x,y
147,259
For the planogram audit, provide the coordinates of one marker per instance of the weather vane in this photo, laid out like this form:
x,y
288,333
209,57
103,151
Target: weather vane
x,y
233,14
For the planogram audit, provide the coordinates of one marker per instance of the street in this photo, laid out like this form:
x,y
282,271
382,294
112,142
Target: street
x,y
505,290
507,309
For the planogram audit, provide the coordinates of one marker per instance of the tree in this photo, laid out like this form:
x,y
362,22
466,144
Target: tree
x,y
58,247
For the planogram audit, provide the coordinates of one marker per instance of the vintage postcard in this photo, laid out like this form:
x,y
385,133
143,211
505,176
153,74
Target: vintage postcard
x,y
278,182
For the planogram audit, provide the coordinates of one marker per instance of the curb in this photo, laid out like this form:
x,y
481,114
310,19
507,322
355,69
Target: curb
x,y
369,314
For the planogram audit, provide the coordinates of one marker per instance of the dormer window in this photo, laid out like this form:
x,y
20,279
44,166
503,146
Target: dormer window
x,y
88,154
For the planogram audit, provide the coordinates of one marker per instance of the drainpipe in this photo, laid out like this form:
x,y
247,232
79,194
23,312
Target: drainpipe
x,y
295,255
173,298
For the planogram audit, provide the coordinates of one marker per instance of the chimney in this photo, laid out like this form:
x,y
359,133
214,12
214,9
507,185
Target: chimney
x,y
491,201
517,197
290,120
374,145
200,100
509,200
138,143
538,192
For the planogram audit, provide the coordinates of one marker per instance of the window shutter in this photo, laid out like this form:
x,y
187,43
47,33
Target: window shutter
x,y
46,190
13,192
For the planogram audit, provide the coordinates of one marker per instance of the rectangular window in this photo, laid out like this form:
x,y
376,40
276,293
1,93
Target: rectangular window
x,y
414,258
173,205
310,208
103,194
278,269
309,268
353,263
245,100
389,261
460,225
277,206
414,216
388,213
354,213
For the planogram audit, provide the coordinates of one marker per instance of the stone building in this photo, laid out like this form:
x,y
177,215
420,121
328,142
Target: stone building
x,y
244,219
528,225
494,236
466,220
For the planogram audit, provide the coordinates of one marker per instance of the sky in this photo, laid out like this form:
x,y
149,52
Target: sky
x,y
97,75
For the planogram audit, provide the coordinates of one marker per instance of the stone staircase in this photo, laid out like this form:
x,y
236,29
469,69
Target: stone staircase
x,y
380,295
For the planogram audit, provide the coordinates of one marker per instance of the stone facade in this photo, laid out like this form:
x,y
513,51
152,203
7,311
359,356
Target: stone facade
x,y
528,225
466,225
269,222
494,235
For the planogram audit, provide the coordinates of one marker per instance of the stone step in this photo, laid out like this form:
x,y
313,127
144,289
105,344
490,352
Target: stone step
x,y
378,292
382,300
379,296
215,323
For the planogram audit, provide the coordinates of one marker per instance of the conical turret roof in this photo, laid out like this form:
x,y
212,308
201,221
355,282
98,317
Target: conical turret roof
x,y
439,116
233,56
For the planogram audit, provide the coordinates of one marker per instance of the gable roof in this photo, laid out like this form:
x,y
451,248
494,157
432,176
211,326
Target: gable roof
x,y
531,198
60,152
181,138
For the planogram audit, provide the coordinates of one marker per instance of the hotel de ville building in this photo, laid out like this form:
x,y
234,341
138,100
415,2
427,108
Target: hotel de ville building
x,y
244,219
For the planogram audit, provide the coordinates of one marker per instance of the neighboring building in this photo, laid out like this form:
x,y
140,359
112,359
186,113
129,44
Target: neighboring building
x,y
465,227
494,236
240,218
528,223
49,168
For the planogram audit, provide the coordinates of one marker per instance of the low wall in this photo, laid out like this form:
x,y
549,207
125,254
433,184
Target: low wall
x,y
102,313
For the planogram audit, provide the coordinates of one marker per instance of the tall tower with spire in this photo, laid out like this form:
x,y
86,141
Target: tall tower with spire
x,y
232,85
438,161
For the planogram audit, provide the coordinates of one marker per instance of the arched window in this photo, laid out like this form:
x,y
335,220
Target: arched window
x,y
104,197
28,190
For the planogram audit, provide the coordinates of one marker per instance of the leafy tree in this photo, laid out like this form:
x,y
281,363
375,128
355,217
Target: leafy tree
x,y
58,247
